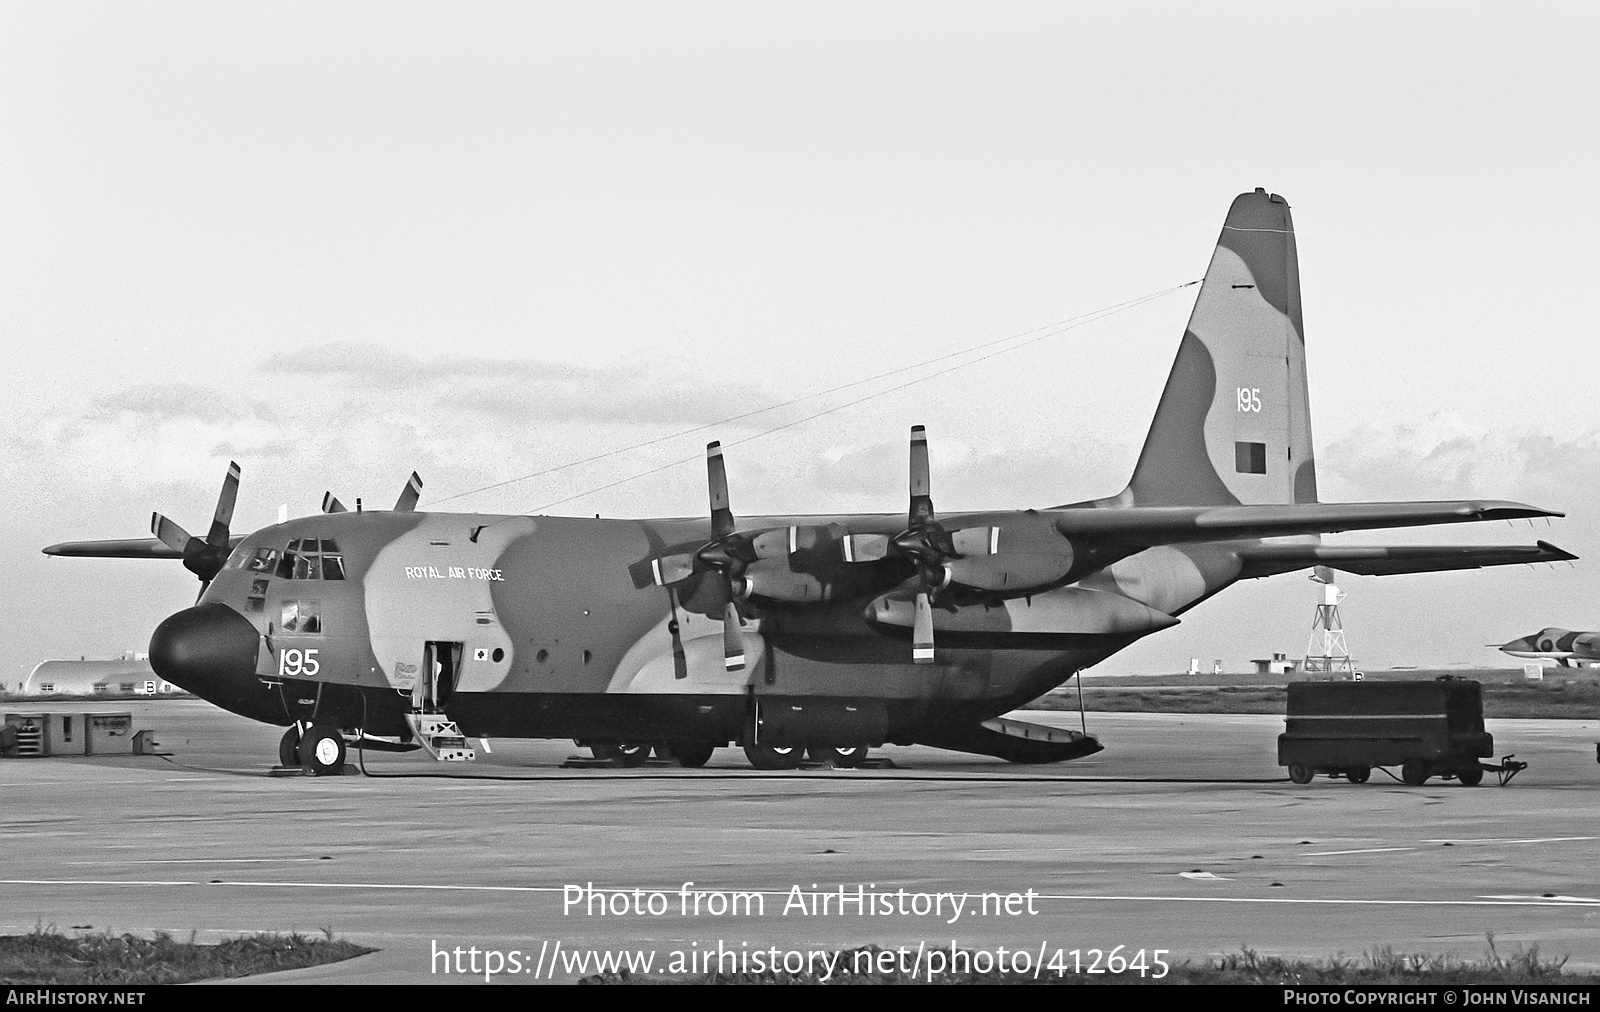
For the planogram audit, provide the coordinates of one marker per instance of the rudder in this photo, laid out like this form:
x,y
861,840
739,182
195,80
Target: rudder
x,y
1234,422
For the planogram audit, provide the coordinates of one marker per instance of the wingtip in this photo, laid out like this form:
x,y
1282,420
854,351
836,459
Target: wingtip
x,y
1561,554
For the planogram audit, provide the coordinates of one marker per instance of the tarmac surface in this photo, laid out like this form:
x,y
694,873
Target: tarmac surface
x,y
1182,836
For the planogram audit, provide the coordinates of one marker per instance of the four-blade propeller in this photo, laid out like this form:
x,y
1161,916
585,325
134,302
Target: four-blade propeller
x,y
727,554
203,557
926,544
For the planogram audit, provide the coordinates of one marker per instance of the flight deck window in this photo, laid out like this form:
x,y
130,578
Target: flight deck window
x,y
304,617
311,559
263,561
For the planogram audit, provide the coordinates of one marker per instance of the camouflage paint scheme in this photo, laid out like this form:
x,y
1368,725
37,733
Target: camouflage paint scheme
x,y
1567,647
565,634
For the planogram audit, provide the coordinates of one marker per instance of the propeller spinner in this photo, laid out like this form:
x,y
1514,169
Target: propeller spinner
x,y
203,557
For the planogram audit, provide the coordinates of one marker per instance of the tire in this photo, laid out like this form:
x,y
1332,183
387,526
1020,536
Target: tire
x,y
607,752
322,751
845,757
1470,776
1414,772
1299,773
768,757
690,754
633,756
1358,774
289,747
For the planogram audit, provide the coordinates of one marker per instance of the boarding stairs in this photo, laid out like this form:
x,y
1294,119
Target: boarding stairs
x,y
440,737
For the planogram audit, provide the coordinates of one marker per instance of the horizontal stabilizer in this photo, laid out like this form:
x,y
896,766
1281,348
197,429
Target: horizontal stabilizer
x,y
1147,526
1265,560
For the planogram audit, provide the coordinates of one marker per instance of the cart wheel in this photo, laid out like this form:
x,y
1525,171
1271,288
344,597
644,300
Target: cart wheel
x,y
1471,776
1358,774
1414,772
1299,773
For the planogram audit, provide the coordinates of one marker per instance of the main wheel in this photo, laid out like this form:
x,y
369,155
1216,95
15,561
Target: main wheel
x,y
289,747
692,754
1414,772
1299,773
1358,774
1471,776
768,757
845,757
322,751
605,751
633,755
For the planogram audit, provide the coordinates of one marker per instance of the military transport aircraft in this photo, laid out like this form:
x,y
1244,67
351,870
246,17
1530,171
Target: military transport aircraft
x,y
822,634
1568,648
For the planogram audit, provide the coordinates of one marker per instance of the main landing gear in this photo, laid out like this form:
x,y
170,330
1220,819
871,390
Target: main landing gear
x,y
319,750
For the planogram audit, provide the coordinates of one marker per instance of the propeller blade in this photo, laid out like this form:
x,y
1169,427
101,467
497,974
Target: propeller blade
x,y
732,638
407,503
331,504
976,540
169,533
680,663
865,547
669,569
722,522
922,631
921,491
217,537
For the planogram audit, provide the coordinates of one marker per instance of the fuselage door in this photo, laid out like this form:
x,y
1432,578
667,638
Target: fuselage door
x,y
441,665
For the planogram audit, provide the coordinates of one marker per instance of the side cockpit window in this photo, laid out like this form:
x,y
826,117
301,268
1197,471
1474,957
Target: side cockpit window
x,y
311,559
303,617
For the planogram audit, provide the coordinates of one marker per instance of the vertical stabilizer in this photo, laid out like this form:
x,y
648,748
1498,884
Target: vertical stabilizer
x,y
1234,423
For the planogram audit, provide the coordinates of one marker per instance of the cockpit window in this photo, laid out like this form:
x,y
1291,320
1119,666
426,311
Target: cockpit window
x,y
302,617
262,560
311,559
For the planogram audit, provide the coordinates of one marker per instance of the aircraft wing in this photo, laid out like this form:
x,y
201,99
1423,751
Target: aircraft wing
x,y
1378,560
1148,526
124,548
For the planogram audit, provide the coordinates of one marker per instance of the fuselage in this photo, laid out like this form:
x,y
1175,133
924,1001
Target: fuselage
x,y
1565,646
552,627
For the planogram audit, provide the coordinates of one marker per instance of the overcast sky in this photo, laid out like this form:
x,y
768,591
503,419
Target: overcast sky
x,y
337,242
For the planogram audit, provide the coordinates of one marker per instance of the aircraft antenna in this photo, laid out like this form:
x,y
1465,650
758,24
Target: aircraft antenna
x,y
1327,652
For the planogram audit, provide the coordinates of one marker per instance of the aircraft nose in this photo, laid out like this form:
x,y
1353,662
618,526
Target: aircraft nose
x,y
200,647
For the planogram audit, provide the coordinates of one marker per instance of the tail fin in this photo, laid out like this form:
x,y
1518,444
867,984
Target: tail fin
x,y
1234,423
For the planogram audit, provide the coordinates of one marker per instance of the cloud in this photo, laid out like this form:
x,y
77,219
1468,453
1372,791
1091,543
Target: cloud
x,y
160,402
523,391
1446,457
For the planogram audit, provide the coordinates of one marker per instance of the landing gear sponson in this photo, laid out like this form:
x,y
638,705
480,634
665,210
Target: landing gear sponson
x,y
696,754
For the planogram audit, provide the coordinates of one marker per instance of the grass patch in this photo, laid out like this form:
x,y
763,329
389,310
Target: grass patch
x,y
1380,966
45,956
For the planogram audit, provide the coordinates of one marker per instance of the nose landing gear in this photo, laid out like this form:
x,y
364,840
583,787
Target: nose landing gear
x,y
319,750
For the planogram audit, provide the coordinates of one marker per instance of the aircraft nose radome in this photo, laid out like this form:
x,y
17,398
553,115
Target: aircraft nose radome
x,y
202,645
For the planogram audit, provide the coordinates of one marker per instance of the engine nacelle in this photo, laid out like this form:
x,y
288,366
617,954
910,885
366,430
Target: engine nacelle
x,y
1063,611
773,580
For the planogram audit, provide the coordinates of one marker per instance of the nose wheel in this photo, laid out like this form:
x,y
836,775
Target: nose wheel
x,y
322,751
289,747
